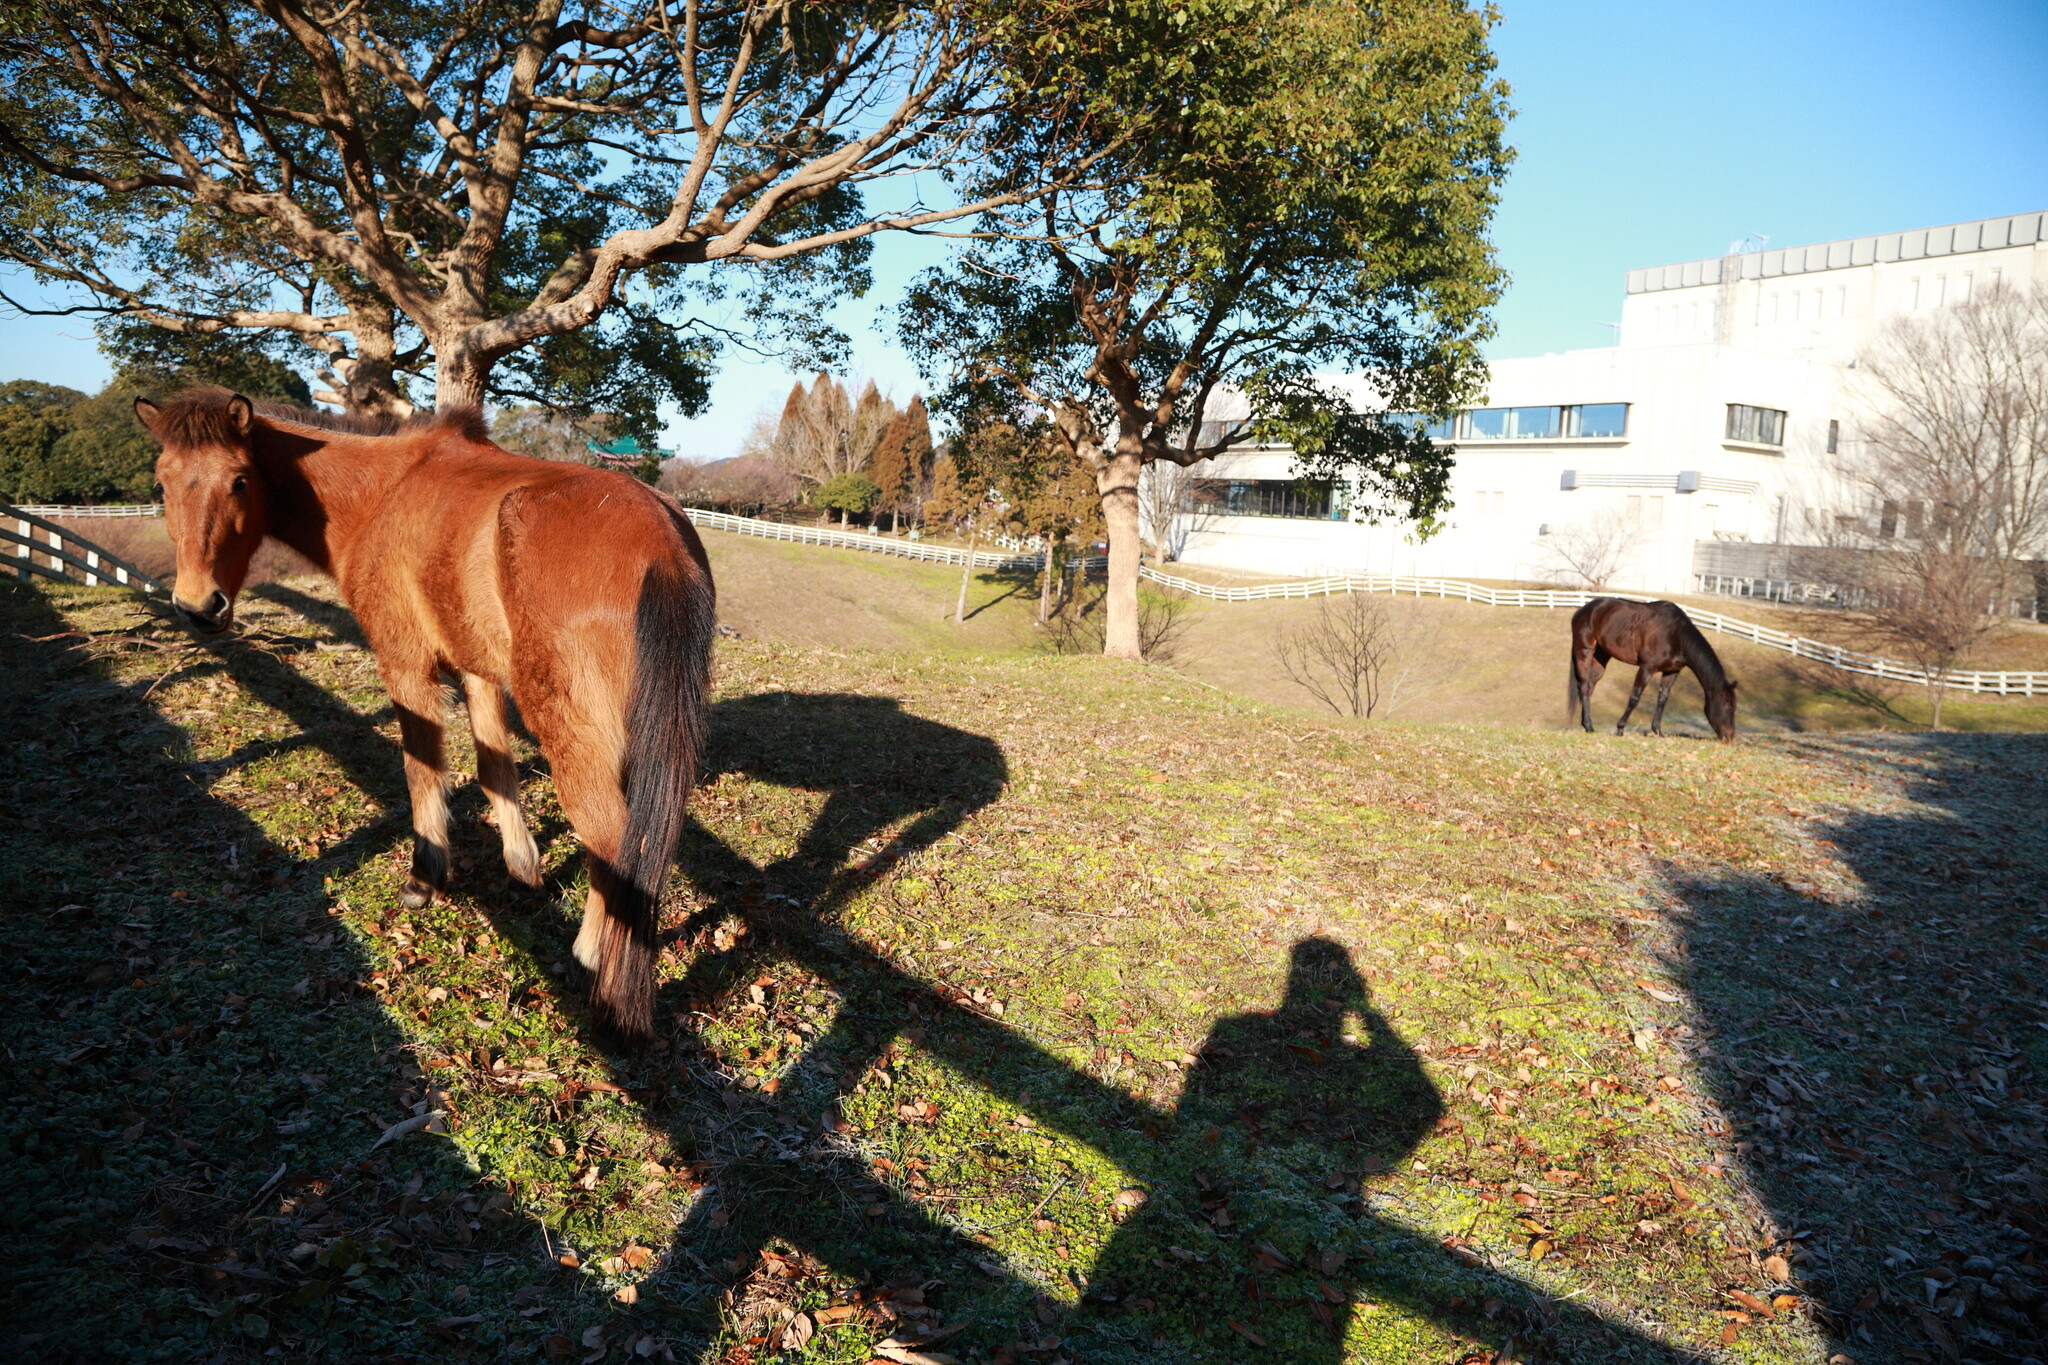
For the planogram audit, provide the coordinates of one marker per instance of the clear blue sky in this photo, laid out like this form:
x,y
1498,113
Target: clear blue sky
x,y
1646,133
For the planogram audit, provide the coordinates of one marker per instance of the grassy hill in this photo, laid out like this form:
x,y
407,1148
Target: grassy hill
x,y
1468,663
1017,1008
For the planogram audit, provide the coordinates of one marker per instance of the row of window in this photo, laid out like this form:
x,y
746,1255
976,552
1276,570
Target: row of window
x,y
1754,425
1553,422
1306,498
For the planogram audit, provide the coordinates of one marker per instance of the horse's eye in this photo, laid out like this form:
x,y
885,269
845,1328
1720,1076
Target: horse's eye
x,y
241,482
156,490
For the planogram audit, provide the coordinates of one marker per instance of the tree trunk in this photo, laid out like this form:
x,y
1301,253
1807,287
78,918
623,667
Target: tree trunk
x,y
966,572
369,378
1117,482
842,519
1045,587
459,377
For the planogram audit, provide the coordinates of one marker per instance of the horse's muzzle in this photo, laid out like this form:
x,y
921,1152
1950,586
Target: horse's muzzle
x,y
213,617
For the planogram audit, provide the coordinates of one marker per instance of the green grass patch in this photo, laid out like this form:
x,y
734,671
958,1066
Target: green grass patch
x,y
1017,1009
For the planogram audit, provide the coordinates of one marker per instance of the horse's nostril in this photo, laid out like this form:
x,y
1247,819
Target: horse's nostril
x,y
217,605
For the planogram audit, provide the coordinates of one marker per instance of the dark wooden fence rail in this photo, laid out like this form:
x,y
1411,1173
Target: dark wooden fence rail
x,y
32,546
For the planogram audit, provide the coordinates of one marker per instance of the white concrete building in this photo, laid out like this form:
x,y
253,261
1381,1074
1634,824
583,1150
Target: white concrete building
x,y
1702,429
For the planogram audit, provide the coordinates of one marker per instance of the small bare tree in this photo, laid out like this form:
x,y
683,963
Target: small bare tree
x,y
1166,508
1950,479
1592,551
1341,655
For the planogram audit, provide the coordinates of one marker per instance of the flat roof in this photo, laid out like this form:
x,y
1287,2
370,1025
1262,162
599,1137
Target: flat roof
x,y
1986,234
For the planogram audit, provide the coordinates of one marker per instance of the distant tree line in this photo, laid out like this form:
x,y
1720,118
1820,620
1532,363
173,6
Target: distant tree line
x,y
60,445
857,457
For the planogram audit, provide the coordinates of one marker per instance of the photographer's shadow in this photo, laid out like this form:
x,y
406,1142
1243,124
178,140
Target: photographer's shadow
x,y
1249,1226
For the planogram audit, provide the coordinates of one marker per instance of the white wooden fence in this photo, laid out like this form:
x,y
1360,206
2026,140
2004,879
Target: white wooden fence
x,y
32,546
1992,682
861,540
111,509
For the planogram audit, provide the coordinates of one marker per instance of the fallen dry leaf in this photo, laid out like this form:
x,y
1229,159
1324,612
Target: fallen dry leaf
x,y
1778,1268
1752,1302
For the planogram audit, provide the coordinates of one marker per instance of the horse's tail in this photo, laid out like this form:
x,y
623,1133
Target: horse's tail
x,y
665,728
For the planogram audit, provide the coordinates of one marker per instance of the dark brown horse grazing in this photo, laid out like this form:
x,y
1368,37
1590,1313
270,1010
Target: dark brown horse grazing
x,y
582,591
1657,637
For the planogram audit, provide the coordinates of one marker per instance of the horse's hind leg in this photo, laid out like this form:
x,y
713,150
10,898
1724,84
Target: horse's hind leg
x,y
500,776
422,707
596,807
1635,694
584,739
1663,696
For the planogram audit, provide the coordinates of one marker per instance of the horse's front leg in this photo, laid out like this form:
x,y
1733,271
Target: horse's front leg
x,y
1635,694
422,710
1663,696
500,775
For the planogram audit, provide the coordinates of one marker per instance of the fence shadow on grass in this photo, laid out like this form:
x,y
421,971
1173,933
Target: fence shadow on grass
x,y
1240,1247
1880,1053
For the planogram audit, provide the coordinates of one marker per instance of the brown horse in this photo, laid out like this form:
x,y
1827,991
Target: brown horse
x,y
1657,637
582,591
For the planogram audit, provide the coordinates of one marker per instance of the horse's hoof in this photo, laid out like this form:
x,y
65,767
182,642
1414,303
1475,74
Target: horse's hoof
x,y
415,894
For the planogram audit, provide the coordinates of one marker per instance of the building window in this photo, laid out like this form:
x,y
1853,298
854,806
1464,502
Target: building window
x,y
1834,435
1757,426
1301,498
1888,520
1596,419
1211,433
1418,424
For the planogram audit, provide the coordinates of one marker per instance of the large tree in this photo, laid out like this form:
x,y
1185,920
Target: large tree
x,y
514,196
1299,188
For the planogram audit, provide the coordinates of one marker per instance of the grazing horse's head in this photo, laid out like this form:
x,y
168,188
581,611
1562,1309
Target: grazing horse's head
x,y
1721,711
213,498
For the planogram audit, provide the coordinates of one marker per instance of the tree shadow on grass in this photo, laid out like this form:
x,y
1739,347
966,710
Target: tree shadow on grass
x,y
1877,1047
1018,582
1257,1227
197,1072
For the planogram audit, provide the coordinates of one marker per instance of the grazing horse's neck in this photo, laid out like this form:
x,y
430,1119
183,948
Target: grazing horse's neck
x,y
1700,657
325,486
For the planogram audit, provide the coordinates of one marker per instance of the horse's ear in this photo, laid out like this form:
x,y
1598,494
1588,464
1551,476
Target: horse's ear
x,y
149,414
242,413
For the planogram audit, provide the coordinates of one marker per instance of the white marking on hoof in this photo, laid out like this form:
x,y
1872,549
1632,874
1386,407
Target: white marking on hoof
x,y
522,856
585,950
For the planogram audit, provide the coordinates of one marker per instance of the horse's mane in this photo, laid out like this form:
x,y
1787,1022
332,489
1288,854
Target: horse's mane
x,y
199,416
1700,656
